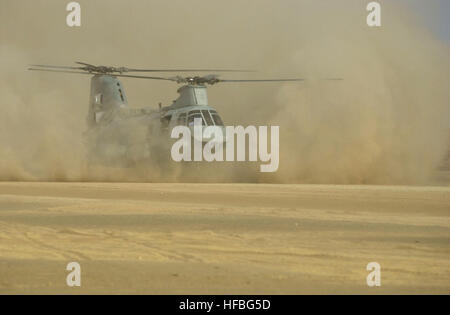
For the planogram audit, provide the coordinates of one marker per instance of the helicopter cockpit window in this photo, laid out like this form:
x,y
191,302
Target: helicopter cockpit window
x,y
217,120
193,116
182,119
207,117
99,99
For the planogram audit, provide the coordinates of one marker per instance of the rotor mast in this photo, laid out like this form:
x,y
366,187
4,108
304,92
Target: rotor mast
x,y
191,95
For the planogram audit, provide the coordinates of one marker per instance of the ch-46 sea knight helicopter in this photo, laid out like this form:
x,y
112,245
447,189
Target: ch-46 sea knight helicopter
x,y
121,134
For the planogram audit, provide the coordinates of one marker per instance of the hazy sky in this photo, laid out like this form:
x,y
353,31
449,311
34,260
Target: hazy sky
x,y
435,13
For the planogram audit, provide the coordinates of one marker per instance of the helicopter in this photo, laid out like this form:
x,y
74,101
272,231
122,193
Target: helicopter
x,y
120,134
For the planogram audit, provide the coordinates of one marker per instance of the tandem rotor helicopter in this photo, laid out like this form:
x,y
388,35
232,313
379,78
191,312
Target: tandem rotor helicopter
x,y
119,133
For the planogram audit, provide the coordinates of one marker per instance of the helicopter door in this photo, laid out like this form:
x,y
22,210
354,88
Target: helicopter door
x,y
98,116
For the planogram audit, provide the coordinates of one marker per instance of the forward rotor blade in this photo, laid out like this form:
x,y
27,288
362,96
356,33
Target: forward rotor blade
x,y
186,70
84,64
178,79
264,80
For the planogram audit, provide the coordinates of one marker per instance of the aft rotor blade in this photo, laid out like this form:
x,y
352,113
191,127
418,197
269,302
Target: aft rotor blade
x,y
125,69
57,67
63,71
142,77
112,75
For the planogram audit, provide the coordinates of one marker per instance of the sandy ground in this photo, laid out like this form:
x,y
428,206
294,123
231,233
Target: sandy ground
x,y
223,238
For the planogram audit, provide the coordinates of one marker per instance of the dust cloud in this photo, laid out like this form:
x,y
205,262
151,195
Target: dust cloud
x,y
386,122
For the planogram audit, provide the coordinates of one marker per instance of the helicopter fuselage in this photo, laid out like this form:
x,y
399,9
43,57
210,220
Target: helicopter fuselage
x,y
121,133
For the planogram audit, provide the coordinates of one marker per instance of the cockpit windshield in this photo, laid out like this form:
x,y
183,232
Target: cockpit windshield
x,y
217,120
208,117
194,116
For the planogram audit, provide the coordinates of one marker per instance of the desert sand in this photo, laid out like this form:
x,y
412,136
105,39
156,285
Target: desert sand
x,y
223,238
